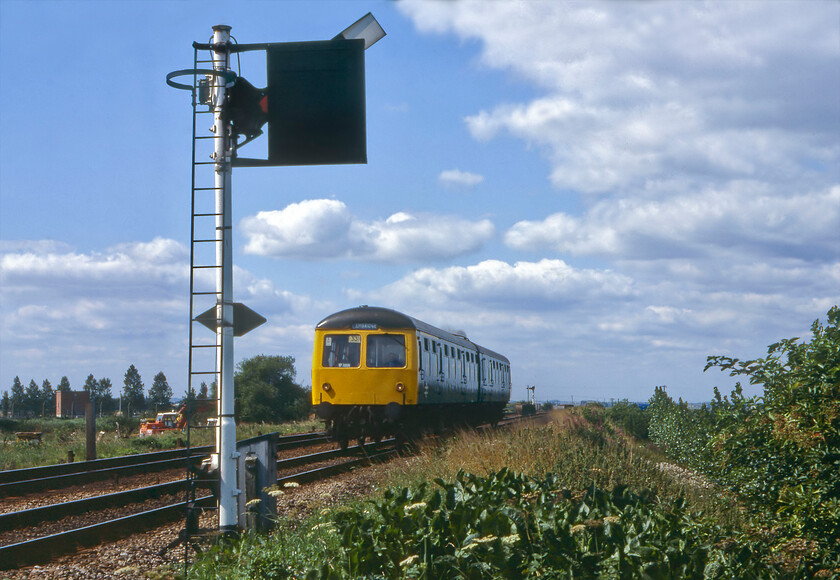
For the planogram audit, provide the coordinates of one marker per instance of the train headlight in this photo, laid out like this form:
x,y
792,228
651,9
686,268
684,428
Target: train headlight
x,y
400,387
327,387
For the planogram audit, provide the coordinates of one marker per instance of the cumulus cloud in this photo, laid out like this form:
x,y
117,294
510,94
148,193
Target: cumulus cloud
x,y
88,311
743,218
130,264
326,229
98,312
456,177
636,92
524,285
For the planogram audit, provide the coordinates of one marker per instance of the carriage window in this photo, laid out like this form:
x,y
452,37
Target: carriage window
x,y
342,350
386,350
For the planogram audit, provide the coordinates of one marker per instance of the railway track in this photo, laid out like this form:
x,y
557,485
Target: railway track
x,y
73,518
152,505
16,482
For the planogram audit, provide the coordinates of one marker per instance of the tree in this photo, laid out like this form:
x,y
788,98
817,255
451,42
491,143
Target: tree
x,y
47,397
202,391
64,385
782,450
103,394
160,394
17,397
32,401
6,404
133,391
92,389
266,391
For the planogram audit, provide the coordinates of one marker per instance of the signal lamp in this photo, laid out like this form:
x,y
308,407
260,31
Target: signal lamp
x,y
327,387
400,387
247,109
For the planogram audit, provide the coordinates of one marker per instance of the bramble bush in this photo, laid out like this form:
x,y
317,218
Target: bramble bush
x,y
509,525
779,452
630,417
681,432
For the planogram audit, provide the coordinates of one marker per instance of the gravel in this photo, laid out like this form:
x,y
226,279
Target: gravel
x,y
139,556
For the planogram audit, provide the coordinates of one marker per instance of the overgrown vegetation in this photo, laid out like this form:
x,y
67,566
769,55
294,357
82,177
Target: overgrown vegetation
x,y
780,452
580,498
572,498
115,436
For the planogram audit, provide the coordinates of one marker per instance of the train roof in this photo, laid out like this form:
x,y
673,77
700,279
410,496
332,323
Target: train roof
x,y
375,317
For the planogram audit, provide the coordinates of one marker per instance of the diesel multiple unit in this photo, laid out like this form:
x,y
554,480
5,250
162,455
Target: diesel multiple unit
x,y
377,372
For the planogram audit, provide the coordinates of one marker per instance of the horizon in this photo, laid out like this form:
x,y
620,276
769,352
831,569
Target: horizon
x,y
605,193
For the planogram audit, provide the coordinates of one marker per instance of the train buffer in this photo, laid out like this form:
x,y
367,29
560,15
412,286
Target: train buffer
x,y
29,436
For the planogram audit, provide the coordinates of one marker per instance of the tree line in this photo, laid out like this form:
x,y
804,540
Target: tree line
x,y
265,390
39,401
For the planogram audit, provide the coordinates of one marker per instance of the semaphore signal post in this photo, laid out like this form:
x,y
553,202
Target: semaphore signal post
x,y
314,112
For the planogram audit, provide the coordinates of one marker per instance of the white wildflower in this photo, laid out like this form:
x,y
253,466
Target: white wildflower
x,y
510,540
414,506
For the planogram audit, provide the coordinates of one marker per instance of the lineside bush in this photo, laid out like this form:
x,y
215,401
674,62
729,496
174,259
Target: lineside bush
x,y
780,452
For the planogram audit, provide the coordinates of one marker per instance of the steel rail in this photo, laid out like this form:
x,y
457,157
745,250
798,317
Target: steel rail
x,y
34,479
301,440
44,549
71,479
326,455
15,475
48,513
329,470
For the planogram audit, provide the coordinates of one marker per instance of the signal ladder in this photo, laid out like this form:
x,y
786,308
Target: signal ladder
x,y
205,238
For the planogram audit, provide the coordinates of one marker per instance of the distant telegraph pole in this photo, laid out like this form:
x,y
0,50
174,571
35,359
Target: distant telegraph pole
x,y
314,109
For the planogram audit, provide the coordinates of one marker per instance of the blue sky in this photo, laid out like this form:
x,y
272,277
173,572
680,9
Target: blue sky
x,y
606,192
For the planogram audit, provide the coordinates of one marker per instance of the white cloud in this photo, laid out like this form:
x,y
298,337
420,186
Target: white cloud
x,y
523,285
456,177
98,312
125,265
638,92
744,219
317,228
325,229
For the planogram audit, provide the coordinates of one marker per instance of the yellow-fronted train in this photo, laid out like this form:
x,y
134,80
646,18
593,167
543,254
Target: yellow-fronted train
x,y
378,373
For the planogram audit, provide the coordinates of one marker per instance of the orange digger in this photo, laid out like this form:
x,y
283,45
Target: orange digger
x,y
164,423
173,420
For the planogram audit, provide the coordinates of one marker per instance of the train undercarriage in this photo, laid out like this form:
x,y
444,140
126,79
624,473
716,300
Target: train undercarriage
x,y
345,423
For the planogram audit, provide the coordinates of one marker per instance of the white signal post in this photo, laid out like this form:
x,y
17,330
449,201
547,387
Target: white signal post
x,y
221,318
223,156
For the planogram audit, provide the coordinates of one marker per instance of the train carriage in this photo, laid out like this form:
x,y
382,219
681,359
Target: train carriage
x,y
377,372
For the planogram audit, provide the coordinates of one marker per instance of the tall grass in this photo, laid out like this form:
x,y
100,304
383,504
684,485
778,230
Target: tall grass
x,y
62,436
577,450
579,447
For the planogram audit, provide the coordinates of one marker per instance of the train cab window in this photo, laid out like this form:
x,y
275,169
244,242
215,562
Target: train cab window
x,y
342,350
385,350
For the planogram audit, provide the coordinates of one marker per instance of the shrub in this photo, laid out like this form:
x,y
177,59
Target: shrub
x,y
780,453
510,526
630,418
